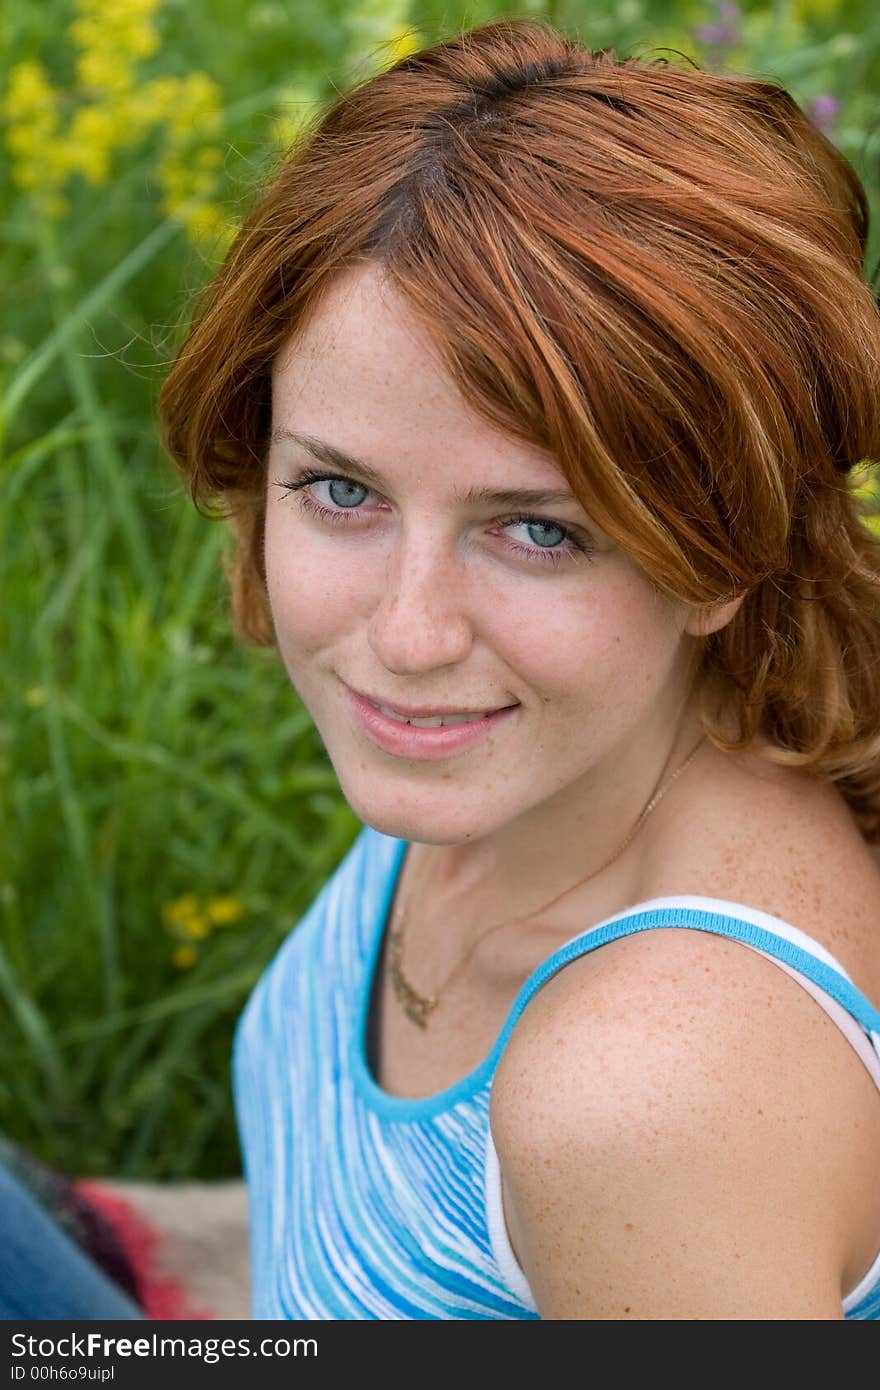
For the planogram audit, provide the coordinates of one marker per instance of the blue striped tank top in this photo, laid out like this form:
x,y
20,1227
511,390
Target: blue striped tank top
x,y
366,1205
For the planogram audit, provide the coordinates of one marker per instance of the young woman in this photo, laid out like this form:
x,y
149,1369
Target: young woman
x,y
533,382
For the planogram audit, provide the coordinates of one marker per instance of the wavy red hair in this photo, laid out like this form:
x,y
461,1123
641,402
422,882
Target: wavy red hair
x,y
653,270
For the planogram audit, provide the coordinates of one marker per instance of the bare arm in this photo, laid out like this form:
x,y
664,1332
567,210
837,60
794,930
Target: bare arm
x,y
677,1123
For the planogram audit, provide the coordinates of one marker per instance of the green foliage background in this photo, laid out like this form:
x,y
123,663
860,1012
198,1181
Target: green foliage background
x,y
156,844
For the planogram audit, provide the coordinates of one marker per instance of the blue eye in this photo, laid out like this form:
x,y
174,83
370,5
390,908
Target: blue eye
x,y
576,542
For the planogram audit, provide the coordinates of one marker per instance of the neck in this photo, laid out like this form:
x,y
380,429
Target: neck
x,y
528,864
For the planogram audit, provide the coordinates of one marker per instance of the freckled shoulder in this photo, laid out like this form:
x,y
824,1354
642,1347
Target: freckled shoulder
x,y
667,1143
773,839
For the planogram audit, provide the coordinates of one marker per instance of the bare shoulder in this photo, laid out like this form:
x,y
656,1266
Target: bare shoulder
x,y
682,1134
777,840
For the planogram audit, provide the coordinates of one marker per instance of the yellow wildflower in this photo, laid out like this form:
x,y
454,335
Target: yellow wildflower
x,y
196,110
31,110
865,480
105,71
184,957
368,24
209,227
197,927
182,909
111,110
184,917
36,696
30,96
112,39
94,134
155,100
221,911
815,9
284,131
404,40
186,171
867,467
60,158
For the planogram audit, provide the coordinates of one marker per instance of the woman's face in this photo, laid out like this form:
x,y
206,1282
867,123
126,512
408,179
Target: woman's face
x,y
421,598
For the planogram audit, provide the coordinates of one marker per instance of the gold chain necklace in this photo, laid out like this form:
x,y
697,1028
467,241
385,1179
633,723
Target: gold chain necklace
x,y
418,1006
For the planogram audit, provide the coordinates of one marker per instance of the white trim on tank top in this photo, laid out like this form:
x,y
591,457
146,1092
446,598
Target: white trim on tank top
x,y
867,1048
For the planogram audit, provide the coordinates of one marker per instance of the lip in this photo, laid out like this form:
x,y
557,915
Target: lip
x,y
405,741
413,711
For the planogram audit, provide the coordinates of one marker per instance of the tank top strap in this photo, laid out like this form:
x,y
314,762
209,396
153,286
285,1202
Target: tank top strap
x,y
768,934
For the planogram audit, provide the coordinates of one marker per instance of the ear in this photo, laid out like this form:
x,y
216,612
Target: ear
x,y
712,617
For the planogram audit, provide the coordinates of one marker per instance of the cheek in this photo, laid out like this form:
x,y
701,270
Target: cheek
x,y
608,641
309,599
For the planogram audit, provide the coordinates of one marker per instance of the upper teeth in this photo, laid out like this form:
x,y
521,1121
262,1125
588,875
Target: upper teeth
x,y
435,722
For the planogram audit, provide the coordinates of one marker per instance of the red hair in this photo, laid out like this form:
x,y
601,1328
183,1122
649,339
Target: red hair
x,y
653,270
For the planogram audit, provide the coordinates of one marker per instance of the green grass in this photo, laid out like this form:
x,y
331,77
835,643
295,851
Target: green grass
x,y
135,766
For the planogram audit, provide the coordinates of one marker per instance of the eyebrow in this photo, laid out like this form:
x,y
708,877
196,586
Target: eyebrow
x,y
498,497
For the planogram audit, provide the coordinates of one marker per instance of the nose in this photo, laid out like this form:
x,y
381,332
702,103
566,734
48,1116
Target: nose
x,y
422,620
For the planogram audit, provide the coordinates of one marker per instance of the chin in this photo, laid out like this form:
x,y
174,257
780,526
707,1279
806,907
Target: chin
x,y
426,823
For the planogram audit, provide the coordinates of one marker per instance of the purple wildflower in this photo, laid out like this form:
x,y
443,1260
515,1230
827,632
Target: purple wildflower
x,y
724,32
822,111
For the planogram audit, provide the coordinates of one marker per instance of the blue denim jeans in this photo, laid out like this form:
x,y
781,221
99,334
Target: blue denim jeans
x,y
43,1273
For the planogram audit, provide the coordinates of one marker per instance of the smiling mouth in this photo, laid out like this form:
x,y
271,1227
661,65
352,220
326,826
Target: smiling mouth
x,y
436,721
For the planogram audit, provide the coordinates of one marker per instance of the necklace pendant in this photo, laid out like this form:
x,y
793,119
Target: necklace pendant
x,y
418,1010
415,1005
